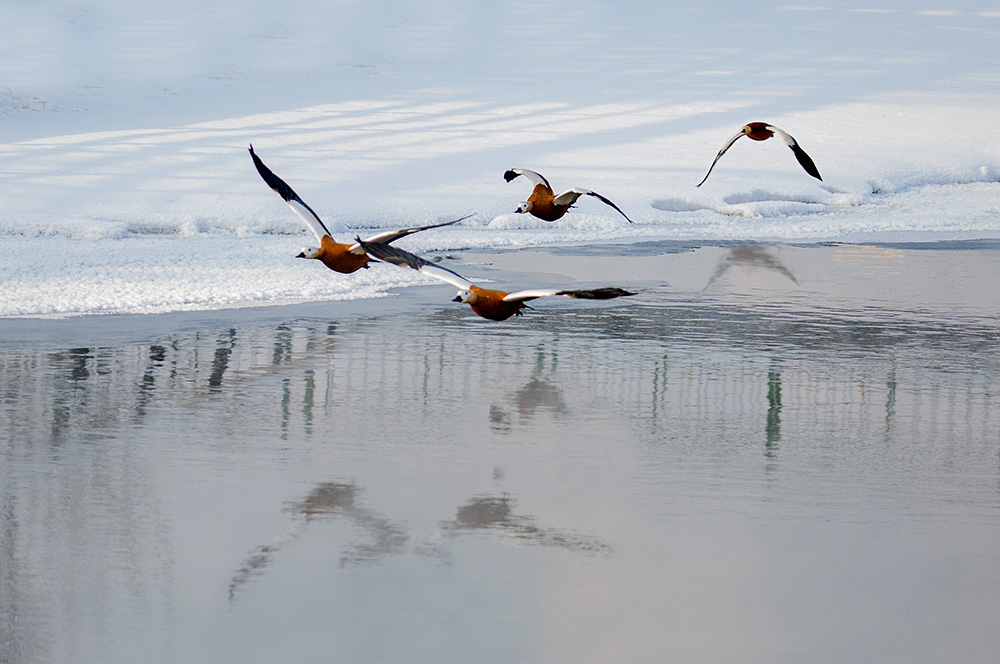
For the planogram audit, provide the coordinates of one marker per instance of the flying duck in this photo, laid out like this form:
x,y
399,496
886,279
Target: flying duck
x,y
343,258
488,303
544,204
761,131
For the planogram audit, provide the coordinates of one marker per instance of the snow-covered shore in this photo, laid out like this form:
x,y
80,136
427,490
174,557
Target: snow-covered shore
x,y
125,184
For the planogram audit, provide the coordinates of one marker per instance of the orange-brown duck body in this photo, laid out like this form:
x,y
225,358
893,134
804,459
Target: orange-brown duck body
x,y
338,257
545,204
542,204
490,303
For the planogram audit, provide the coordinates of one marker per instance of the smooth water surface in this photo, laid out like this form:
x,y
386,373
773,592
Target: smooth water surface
x,y
767,455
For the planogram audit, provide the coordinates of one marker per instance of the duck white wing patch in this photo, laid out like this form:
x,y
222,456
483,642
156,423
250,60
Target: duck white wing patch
x,y
521,296
569,196
785,136
728,144
535,178
445,275
312,220
288,194
604,293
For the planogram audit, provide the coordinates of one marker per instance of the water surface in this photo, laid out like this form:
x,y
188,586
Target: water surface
x,y
769,454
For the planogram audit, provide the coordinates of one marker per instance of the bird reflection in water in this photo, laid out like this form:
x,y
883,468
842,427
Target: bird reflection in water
x,y
329,500
494,514
750,256
382,536
537,394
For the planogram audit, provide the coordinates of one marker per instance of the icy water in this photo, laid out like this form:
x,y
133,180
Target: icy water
x,y
769,454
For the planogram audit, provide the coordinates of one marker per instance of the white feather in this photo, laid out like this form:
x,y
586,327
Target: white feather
x,y
312,221
569,196
536,178
445,275
786,137
529,295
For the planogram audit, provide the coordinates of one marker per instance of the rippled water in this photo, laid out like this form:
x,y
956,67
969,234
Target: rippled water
x,y
759,469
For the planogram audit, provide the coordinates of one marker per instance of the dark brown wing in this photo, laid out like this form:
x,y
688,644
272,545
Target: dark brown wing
x,y
608,293
806,161
386,237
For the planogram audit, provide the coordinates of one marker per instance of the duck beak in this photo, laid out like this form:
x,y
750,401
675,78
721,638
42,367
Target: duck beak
x,y
301,255
457,298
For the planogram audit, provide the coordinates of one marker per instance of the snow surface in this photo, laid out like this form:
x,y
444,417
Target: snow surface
x,y
125,183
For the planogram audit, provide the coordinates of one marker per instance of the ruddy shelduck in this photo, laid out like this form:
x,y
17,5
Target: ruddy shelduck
x,y
543,202
343,258
761,131
488,303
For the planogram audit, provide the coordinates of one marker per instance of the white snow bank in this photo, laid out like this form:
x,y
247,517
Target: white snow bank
x,y
125,183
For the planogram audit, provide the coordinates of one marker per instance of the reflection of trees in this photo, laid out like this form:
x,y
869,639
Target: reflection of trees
x,y
890,401
94,389
19,635
773,411
81,528
88,389
86,430
221,360
678,362
146,389
688,369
